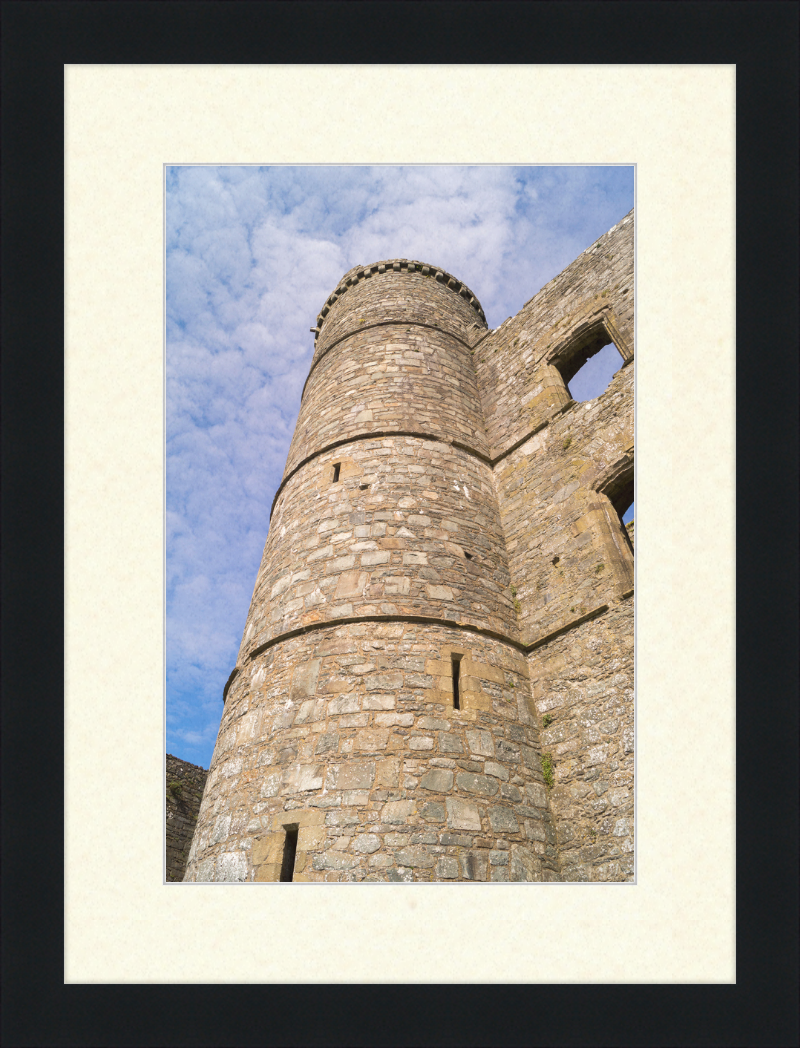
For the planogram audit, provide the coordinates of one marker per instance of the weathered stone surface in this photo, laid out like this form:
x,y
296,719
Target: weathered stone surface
x,y
503,820
366,843
462,815
479,784
185,784
417,855
432,812
473,866
445,504
447,868
438,780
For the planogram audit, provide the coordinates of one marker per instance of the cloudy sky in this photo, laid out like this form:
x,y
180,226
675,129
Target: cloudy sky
x,y
251,255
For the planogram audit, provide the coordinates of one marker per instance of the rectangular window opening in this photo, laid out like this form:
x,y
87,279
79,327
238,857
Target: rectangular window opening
x,y
289,853
337,467
456,662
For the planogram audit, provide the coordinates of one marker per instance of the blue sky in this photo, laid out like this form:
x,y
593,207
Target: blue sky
x,y
251,255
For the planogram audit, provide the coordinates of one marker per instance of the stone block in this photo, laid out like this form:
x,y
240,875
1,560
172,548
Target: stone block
x,y
473,866
433,724
447,868
371,559
420,742
431,811
304,679
343,704
479,784
334,860
401,876
396,811
366,843
417,856
497,770
462,815
438,780
310,838
305,777
387,773
384,682
393,720
450,743
525,864
371,739
503,820
357,775
480,742
271,785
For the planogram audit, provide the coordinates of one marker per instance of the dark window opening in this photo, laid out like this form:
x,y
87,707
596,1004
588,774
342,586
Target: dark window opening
x,y
363,487
594,372
468,556
589,360
289,853
620,495
336,470
456,676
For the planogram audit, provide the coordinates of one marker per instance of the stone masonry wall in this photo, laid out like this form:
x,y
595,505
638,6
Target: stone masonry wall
x,y
520,386
567,550
350,734
387,379
435,679
558,466
184,789
396,291
410,528
582,683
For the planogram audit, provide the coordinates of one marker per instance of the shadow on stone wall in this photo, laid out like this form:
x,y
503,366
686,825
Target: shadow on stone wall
x,y
184,788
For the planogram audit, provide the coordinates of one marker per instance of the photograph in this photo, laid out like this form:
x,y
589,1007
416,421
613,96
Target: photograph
x,y
415,384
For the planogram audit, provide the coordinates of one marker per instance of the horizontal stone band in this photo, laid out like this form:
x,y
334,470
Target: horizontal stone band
x,y
368,327
382,435
420,620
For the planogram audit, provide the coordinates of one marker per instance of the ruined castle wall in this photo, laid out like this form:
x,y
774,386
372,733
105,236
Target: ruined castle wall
x,y
444,502
520,386
557,468
582,684
350,734
567,550
184,791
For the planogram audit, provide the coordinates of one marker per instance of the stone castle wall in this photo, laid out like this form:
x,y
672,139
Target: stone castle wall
x,y
184,791
445,596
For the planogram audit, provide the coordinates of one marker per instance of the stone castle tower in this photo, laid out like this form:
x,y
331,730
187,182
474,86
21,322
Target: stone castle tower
x,y
436,676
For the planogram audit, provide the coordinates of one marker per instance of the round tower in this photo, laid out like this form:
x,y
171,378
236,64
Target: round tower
x,y
377,724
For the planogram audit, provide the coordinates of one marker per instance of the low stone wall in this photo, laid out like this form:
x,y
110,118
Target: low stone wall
x,y
184,789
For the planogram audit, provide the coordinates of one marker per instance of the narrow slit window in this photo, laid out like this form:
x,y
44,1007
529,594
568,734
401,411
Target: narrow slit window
x,y
336,469
289,853
456,662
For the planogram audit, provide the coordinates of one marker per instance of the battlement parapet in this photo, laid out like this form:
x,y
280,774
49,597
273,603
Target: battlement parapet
x,y
397,265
